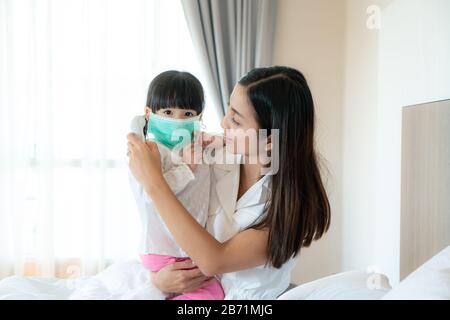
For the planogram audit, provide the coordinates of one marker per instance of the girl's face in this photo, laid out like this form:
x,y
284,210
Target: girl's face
x,y
174,113
240,124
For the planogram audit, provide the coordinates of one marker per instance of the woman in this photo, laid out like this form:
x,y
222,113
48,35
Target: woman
x,y
259,222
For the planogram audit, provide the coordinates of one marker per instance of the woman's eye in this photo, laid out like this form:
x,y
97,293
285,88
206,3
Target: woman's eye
x,y
234,121
189,114
167,112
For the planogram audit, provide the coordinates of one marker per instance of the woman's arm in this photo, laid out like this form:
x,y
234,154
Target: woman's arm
x,y
179,277
245,250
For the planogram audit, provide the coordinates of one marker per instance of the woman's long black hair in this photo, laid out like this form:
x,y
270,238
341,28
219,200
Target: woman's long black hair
x,y
298,210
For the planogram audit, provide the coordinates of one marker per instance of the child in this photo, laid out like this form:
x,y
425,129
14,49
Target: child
x,y
175,102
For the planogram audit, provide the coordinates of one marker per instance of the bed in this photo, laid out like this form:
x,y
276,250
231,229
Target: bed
x,y
128,280
425,236
431,281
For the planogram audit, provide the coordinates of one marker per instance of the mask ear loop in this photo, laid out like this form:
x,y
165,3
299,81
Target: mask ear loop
x,y
144,130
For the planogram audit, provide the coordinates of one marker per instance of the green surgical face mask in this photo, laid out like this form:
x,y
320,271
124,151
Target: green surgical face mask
x,y
172,132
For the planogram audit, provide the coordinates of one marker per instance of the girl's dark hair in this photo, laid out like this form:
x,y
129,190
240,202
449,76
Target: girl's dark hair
x,y
175,89
298,210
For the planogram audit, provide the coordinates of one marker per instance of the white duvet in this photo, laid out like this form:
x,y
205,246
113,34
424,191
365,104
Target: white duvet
x,y
125,280
431,281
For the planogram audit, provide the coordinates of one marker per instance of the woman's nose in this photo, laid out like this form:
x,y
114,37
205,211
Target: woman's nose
x,y
223,123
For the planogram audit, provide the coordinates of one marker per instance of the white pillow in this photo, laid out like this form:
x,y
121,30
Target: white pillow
x,y
429,282
352,285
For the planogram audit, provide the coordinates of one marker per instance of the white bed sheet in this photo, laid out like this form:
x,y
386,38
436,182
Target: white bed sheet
x,y
130,280
125,280
431,281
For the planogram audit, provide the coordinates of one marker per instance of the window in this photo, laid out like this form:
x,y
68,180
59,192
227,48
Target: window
x,y
72,76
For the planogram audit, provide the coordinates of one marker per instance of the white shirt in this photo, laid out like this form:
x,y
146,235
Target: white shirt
x,y
191,188
228,217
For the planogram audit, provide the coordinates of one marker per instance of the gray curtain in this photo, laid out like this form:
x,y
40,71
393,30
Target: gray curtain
x,y
231,37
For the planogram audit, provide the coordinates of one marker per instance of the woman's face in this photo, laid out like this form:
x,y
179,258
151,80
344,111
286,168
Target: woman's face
x,y
240,124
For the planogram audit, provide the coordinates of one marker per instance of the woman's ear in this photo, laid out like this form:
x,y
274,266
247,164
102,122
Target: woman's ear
x,y
147,113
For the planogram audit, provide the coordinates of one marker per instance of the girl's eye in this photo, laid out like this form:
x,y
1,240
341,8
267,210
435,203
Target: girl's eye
x,y
234,121
168,112
189,114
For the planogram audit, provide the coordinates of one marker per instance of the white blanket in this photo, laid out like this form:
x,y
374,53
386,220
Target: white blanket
x,y
126,280
431,281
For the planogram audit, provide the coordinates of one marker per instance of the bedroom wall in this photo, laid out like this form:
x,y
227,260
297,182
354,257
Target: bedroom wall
x,y
405,62
359,132
360,78
414,67
309,36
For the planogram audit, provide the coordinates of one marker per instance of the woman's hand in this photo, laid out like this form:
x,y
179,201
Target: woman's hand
x,y
215,141
179,277
192,153
145,160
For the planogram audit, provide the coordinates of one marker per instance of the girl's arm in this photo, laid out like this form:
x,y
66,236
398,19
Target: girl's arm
x,y
245,250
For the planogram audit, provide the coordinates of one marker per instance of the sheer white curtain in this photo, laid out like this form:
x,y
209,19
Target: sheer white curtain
x,y
72,75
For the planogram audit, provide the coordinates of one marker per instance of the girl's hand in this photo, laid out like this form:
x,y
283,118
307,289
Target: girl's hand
x,y
145,160
179,277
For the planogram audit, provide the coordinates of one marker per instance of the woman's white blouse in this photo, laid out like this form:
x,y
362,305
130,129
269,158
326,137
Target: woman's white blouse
x,y
228,217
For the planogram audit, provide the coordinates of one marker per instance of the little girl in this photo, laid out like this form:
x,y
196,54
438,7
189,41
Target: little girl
x,y
175,102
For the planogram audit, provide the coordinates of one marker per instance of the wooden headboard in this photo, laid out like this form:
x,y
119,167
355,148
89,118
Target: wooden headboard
x,y
425,184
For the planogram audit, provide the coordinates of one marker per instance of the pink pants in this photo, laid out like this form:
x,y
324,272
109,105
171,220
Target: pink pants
x,y
212,291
